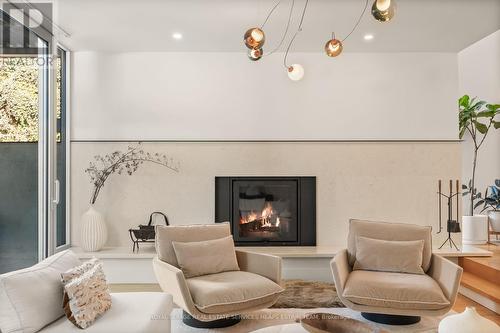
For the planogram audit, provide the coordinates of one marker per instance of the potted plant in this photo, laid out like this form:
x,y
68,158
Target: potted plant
x,y
93,231
491,201
475,118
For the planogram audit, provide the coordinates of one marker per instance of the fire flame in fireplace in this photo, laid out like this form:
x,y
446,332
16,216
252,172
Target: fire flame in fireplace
x,y
265,216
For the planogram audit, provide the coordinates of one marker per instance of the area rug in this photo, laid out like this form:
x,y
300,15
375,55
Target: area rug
x,y
302,294
266,319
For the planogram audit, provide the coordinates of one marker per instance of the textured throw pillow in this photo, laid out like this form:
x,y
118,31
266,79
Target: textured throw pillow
x,y
206,257
78,271
389,256
86,296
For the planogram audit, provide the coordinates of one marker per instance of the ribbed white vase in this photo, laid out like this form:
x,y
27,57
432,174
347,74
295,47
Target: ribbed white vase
x,y
468,321
93,231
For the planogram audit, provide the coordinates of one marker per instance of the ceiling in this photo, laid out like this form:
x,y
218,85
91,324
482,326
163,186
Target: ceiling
x,y
218,25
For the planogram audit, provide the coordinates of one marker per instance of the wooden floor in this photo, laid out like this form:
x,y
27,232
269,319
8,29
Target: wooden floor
x,y
481,275
462,302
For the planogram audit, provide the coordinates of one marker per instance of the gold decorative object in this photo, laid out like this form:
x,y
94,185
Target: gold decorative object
x,y
333,47
255,54
254,38
383,10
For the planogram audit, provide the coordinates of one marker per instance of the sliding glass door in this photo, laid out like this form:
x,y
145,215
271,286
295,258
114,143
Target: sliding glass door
x,y
23,104
61,224
33,146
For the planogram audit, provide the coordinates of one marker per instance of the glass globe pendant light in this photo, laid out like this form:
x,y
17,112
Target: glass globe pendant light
x,y
254,38
255,54
333,47
383,10
295,72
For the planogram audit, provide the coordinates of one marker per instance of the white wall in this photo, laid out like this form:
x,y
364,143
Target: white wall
x,y
134,96
479,75
209,96
380,181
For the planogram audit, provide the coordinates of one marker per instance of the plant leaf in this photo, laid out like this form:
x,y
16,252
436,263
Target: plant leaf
x,y
496,124
464,101
479,203
482,128
493,107
462,131
485,114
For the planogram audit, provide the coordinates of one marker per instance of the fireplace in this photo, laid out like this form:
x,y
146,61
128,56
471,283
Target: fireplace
x,y
268,210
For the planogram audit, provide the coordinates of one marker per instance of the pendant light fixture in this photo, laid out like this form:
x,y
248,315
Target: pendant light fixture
x,y
254,38
333,47
383,10
255,54
295,72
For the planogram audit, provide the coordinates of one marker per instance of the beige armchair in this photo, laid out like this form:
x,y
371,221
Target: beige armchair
x,y
215,300
389,297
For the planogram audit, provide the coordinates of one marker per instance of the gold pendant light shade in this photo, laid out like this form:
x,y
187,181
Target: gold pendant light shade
x,y
254,38
333,47
255,54
383,10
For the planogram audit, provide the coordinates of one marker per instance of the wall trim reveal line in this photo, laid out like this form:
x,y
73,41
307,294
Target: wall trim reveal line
x,y
267,141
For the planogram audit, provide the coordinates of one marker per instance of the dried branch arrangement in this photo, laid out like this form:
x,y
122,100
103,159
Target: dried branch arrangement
x,y
123,162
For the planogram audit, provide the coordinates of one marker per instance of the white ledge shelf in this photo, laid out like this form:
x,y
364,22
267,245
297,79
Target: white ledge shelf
x,y
148,251
465,251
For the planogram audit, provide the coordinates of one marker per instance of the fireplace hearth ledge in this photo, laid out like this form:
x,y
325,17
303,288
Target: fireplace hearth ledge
x,y
122,266
148,252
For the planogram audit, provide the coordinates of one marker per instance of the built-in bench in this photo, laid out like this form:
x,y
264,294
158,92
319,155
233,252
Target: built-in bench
x,y
299,262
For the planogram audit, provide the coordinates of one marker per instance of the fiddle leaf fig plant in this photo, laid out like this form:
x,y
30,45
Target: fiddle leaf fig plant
x,y
492,199
476,118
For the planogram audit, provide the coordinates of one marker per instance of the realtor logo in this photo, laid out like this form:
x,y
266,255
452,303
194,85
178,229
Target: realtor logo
x,y
21,25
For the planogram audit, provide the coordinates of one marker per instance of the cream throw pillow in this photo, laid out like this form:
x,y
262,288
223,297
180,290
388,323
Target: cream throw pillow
x,y
86,295
389,256
206,257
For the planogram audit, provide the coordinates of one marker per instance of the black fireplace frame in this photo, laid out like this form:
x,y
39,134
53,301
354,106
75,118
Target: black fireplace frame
x,y
306,197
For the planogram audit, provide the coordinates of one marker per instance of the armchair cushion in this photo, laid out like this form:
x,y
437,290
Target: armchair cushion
x,y
206,257
394,290
231,291
165,235
389,256
390,232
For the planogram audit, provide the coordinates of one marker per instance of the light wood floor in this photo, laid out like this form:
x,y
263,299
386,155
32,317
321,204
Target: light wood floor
x,y
463,302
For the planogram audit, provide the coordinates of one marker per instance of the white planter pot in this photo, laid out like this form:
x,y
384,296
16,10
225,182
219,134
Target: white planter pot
x,y
494,217
466,322
474,229
93,231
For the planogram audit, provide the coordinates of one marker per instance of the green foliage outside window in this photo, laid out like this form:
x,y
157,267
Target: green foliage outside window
x,y
19,106
18,100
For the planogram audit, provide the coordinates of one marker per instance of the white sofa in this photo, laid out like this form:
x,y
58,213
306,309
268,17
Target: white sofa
x,y
130,313
31,301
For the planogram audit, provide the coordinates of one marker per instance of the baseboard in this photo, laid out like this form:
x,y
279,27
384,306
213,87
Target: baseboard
x,y
484,301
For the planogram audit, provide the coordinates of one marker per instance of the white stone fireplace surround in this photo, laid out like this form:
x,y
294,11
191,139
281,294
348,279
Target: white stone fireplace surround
x,y
388,181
